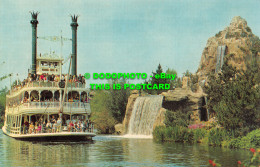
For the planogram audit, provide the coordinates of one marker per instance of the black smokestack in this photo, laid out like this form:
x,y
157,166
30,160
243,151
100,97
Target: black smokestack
x,y
74,26
34,23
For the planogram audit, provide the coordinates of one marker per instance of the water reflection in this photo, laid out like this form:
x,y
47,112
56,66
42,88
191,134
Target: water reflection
x,y
112,151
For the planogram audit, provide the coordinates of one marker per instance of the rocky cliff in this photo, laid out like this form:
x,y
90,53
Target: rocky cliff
x,y
129,109
240,42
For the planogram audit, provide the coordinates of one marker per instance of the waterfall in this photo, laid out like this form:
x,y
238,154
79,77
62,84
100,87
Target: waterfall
x,y
144,113
221,50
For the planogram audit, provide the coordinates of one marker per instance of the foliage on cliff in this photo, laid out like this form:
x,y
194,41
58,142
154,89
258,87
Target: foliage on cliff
x,y
235,95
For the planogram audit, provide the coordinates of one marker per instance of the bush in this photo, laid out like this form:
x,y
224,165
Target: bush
x,y
158,133
199,134
176,118
174,134
252,139
216,136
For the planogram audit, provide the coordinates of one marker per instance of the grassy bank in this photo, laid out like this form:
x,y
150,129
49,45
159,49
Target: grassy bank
x,y
214,136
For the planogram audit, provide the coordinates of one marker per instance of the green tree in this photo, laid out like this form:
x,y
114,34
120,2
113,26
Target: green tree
x,y
108,106
101,113
234,96
158,81
118,99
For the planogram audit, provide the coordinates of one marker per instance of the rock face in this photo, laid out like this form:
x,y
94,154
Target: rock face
x,y
129,109
119,128
159,121
185,100
239,40
185,82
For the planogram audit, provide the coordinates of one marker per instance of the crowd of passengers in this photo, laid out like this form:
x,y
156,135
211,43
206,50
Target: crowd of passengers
x,y
50,78
55,78
54,126
26,100
86,100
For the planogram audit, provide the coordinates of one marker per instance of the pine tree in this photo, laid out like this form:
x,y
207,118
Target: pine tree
x,y
158,81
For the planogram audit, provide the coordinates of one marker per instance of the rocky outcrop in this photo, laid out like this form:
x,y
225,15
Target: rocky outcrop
x,y
187,101
185,82
159,121
129,109
238,38
118,129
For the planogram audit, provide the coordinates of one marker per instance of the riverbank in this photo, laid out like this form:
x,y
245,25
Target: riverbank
x,y
213,137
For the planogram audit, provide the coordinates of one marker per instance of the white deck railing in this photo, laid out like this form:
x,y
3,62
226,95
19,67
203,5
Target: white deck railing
x,y
68,106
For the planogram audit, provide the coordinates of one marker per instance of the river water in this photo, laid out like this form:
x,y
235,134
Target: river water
x,y
113,151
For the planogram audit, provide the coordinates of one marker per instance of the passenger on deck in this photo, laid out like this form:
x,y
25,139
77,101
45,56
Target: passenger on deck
x,y
42,77
37,77
25,100
49,127
43,127
26,127
67,122
63,78
53,77
39,129
53,120
57,78
73,120
59,125
82,126
80,78
83,80
54,127
76,127
71,126
31,128
36,127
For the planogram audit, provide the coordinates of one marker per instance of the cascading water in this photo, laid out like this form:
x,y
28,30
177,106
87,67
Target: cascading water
x,y
144,113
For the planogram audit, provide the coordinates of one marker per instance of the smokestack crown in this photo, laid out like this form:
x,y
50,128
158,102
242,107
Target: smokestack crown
x,y
34,20
74,19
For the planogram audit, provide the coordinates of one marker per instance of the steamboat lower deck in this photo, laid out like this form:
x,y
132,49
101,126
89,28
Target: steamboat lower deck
x,y
59,136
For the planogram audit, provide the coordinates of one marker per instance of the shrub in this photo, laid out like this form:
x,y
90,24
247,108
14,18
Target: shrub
x,y
216,136
176,118
199,134
158,133
252,139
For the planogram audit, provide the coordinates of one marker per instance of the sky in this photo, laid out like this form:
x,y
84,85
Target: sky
x,y
121,36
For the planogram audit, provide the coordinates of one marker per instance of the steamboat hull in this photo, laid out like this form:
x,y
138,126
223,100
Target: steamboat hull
x,y
60,136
